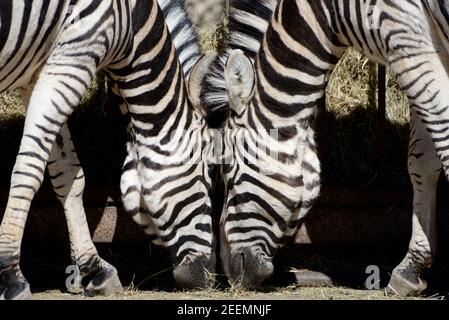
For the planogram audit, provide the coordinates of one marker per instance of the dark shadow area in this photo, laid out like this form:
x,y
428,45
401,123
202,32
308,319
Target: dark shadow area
x,y
349,150
140,266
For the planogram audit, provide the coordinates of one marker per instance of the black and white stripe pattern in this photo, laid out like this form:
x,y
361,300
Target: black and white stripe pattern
x,y
183,33
248,21
53,50
304,41
185,232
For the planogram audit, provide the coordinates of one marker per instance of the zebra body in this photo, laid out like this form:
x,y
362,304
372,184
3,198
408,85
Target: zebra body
x,y
53,49
279,92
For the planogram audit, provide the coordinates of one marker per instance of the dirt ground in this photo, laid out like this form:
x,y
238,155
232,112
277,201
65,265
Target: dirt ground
x,y
281,294
146,275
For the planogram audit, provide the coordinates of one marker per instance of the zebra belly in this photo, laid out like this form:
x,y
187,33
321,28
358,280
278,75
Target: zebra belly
x,y
21,72
19,80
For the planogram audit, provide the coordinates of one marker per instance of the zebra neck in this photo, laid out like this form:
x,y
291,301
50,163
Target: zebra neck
x,y
284,97
293,65
155,89
158,113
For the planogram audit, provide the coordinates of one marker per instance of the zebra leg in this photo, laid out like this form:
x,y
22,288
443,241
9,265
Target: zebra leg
x,y
424,169
54,98
68,182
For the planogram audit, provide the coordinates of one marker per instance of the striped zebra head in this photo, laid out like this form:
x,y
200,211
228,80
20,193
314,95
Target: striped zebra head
x,y
263,176
166,186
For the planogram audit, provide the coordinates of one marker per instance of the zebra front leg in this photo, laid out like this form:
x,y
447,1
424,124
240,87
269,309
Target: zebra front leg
x,y
424,169
57,92
422,74
68,182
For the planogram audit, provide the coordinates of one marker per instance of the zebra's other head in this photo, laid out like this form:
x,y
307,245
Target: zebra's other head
x,y
263,177
166,186
197,268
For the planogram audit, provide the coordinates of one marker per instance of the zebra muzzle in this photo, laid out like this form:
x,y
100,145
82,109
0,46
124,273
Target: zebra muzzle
x,y
196,274
249,269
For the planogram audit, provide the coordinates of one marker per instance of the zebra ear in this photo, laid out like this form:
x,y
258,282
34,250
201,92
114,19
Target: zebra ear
x,y
195,82
240,80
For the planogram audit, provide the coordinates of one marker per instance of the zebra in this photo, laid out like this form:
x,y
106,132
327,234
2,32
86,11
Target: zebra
x,y
271,179
248,21
194,65
53,50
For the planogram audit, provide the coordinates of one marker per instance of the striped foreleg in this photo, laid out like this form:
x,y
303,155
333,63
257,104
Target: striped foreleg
x,y
424,169
423,76
68,181
57,92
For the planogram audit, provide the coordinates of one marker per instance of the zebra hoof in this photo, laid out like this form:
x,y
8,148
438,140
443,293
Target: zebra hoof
x,y
401,285
105,282
18,291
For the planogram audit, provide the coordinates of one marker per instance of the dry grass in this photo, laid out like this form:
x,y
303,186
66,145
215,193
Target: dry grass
x,y
353,84
214,37
11,106
289,293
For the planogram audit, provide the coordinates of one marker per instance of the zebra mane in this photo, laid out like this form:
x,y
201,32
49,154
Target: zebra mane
x,y
248,22
183,33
